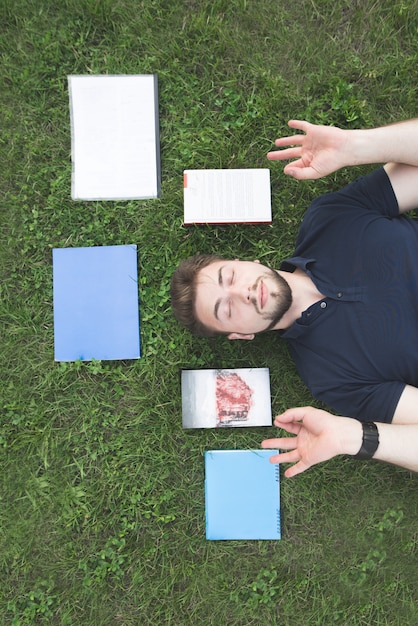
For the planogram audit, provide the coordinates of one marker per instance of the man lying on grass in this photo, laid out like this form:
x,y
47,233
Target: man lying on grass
x,y
346,302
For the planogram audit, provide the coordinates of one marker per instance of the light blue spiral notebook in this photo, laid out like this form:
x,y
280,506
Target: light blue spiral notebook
x,y
242,493
96,310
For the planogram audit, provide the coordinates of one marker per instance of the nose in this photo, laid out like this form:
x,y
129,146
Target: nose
x,y
241,293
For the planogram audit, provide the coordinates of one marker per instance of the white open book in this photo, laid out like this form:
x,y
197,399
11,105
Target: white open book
x,y
115,144
227,196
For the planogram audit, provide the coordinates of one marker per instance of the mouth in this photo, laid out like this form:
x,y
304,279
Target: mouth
x,y
263,294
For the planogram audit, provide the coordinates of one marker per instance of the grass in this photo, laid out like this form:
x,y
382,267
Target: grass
x,y
102,504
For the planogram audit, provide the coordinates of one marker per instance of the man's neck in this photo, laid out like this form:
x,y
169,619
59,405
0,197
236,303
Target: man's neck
x,y
304,295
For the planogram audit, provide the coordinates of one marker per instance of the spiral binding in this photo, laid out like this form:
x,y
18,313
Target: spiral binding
x,y
279,524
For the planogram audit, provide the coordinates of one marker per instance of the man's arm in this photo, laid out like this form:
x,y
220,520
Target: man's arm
x,y
404,181
325,149
319,436
407,408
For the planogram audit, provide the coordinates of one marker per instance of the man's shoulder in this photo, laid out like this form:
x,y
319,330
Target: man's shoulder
x,y
371,192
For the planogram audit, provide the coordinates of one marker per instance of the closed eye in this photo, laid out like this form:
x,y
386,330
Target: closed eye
x,y
220,277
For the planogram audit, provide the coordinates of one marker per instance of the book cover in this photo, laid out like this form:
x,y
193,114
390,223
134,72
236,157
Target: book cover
x,y
115,144
242,495
227,196
213,398
96,310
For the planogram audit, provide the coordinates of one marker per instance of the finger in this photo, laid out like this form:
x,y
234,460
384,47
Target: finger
x,y
299,125
298,170
290,427
293,140
295,414
285,457
292,420
289,153
296,469
270,443
284,443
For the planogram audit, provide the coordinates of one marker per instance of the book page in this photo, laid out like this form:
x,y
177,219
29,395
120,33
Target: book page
x,y
114,137
227,196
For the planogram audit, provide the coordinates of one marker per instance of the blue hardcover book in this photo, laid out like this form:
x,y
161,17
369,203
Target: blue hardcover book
x,y
242,492
96,310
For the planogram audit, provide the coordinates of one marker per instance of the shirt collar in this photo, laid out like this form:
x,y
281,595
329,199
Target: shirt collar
x,y
289,265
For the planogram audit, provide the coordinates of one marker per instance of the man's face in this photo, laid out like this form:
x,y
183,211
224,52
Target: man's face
x,y
242,297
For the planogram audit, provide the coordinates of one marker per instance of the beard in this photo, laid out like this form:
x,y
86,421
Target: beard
x,y
281,296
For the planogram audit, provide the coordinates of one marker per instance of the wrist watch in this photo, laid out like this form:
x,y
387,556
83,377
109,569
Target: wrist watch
x,y
370,441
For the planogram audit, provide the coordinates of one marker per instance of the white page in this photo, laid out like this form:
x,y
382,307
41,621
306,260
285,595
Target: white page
x,y
114,137
224,196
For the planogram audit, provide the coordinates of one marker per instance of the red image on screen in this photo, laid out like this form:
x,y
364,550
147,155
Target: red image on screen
x,y
233,398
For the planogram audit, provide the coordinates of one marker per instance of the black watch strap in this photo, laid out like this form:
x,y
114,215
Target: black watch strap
x,y
370,441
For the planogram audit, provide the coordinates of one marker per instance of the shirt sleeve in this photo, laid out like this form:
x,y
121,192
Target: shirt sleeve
x,y
372,401
368,403
373,192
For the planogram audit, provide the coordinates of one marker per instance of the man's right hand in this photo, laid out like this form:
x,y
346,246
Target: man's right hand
x,y
318,152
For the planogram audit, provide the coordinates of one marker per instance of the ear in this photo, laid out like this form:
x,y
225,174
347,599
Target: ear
x,y
240,336
256,261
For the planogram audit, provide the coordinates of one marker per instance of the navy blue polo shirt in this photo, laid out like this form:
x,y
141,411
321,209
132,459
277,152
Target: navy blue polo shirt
x,y
358,347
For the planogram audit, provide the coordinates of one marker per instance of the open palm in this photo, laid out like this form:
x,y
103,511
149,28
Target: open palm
x,y
317,153
318,437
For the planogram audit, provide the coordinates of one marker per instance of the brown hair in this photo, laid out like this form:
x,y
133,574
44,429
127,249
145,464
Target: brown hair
x,y
183,293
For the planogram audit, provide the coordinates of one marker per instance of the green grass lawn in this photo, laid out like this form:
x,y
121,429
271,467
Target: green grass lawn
x,y
102,502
